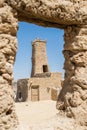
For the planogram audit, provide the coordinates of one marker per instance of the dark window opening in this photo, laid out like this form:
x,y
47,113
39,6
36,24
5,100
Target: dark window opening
x,y
45,68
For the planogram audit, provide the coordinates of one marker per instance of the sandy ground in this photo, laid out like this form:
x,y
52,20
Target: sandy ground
x,y
36,112
43,115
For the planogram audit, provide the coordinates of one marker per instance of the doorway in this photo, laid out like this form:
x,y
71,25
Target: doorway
x,y
35,93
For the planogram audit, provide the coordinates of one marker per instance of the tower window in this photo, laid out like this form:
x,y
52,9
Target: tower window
x,y
45,68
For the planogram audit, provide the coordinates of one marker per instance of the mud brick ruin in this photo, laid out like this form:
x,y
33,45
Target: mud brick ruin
x,y
70,15
43,85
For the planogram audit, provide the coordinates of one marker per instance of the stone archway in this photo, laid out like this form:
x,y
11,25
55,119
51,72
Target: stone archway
x,y
70,15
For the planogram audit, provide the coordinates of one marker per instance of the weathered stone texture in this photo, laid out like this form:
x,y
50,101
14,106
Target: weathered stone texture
x,y
71,15
55,13
73,97
8,47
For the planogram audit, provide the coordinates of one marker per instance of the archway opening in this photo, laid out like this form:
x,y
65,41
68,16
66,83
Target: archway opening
x,y
22,69
26,34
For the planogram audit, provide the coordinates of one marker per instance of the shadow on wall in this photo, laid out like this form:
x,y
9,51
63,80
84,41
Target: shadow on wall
x,y
22,90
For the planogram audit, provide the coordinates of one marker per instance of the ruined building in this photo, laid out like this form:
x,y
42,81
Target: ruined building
x,y
43,85
70,15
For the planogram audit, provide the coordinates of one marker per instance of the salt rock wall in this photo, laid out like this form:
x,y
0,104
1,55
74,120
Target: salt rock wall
x,y
73,97
70,15
51,13
8,47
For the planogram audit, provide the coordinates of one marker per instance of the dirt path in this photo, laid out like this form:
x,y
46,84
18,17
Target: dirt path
x,y
36,112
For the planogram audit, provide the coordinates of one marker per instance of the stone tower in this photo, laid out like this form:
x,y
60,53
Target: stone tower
x,y
39,57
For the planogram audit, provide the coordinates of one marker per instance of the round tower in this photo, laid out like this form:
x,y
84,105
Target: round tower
x,y
39,57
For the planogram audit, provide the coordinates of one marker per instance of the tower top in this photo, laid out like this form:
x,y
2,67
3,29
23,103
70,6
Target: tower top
x,y
39,41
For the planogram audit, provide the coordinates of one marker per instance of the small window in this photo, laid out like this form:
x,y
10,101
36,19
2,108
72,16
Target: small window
x,y
45,68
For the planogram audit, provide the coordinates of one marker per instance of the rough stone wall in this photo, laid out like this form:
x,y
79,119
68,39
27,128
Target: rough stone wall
x,y
39,57
45,85
8,47
53,13
73,97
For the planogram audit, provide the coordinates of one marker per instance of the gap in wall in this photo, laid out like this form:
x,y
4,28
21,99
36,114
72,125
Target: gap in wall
x,y
26,34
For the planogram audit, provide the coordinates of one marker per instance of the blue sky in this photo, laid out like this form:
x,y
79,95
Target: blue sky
x,y
27,33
